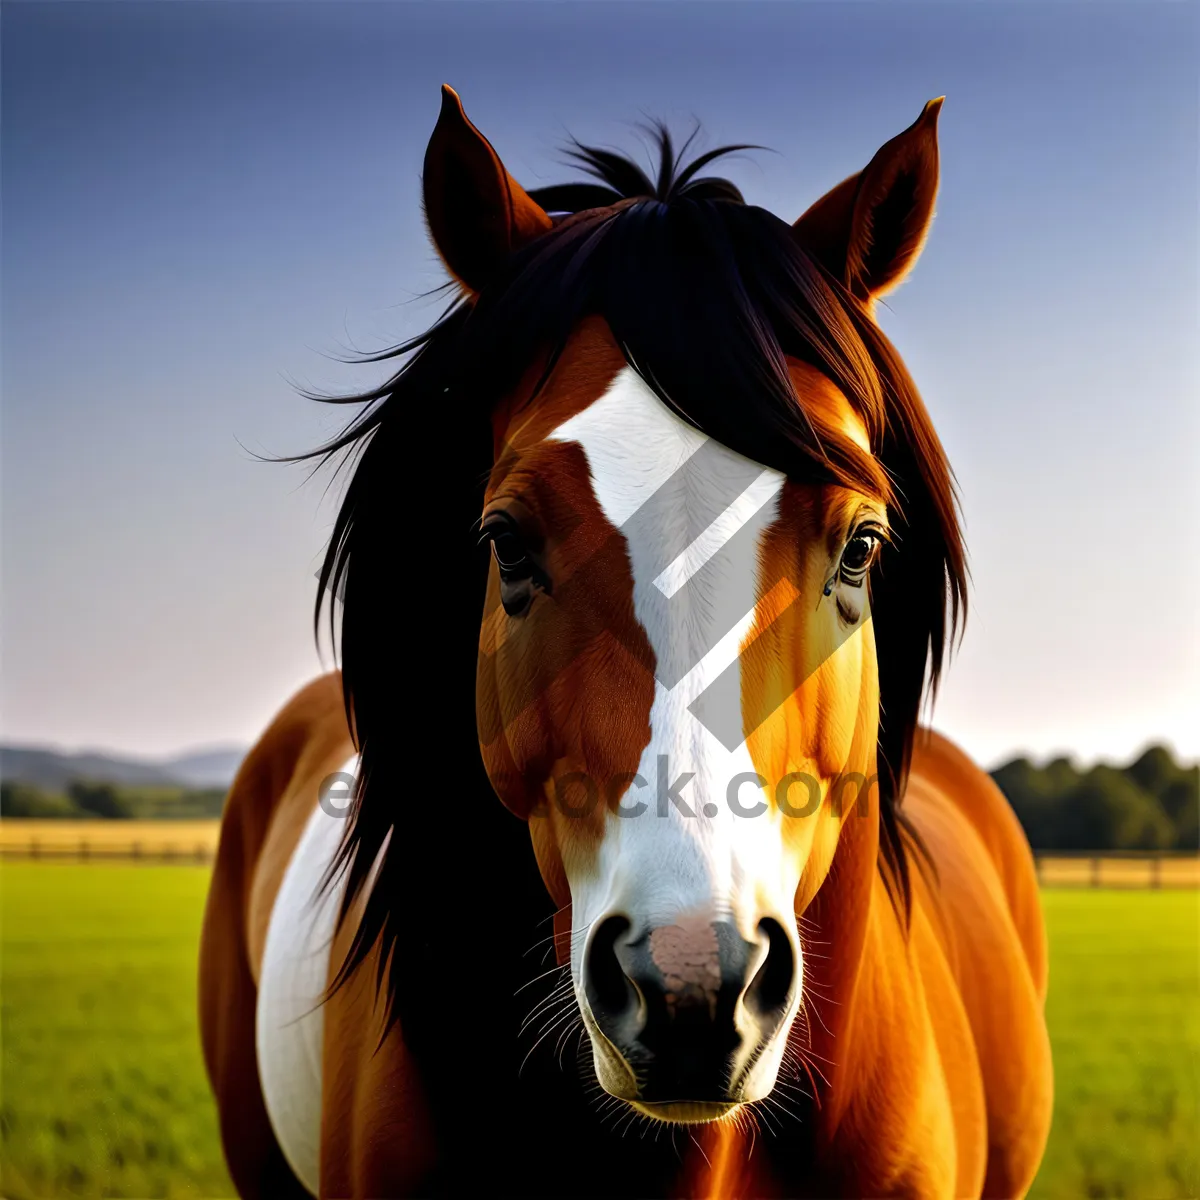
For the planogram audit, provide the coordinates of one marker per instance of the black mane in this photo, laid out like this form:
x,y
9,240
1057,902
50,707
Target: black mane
x,y
620,178
707,296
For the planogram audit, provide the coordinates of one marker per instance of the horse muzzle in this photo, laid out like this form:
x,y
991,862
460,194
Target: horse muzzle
x,y
689,1009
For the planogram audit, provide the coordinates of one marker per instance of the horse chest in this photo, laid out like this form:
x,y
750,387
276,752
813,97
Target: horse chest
x,y
290,1016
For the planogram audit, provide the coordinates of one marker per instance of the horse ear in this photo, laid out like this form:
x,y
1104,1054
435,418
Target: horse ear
x,y
869,230
477,213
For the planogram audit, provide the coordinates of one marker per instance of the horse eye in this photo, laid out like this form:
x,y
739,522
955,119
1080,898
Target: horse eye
x,y
521,574
858,552
509,551
858,557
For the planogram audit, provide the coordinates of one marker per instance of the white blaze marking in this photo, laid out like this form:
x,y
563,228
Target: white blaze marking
x,y
656,867
764,489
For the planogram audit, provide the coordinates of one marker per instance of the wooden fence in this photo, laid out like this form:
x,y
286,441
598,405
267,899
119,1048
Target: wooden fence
x,y
196,842
125,841
1133,869
84,852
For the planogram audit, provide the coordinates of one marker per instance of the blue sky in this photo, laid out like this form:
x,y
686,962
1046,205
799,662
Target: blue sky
x,y
203,203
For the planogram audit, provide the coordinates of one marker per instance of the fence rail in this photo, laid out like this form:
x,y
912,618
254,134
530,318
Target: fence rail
x,y
122,841
86,852
187,842
1132,869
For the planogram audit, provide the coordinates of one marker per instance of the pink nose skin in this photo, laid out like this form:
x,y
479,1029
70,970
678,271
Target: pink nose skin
x,y
688,955
689,1005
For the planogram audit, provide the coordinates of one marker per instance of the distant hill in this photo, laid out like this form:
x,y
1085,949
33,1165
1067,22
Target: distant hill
x,y
1153,803
46,767
215,767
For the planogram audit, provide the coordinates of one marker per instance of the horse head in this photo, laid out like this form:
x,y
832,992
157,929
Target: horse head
x,y
723,559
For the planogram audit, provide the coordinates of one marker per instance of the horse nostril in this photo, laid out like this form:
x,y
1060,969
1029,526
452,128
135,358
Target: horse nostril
x,y
608,988
770,991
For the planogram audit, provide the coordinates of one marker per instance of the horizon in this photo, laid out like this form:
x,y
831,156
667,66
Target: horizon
x,y
66,751
201,202
196,751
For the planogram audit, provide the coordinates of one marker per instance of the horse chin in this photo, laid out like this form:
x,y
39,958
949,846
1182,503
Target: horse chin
x,y
617,1080
615,1077
685,1112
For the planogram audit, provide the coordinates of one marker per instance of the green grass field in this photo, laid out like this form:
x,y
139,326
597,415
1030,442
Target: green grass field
x,y
104,1091
1124,1015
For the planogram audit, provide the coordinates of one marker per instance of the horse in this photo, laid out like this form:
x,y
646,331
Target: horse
x,y
650,536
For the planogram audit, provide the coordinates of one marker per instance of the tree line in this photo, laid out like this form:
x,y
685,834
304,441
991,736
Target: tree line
x,y
1151,804
86,799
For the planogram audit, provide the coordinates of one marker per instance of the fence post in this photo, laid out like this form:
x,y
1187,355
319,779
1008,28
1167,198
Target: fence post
x,y
1156,871
83,849
1096,872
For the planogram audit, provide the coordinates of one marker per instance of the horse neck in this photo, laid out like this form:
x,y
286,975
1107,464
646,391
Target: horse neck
x,y
839,925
